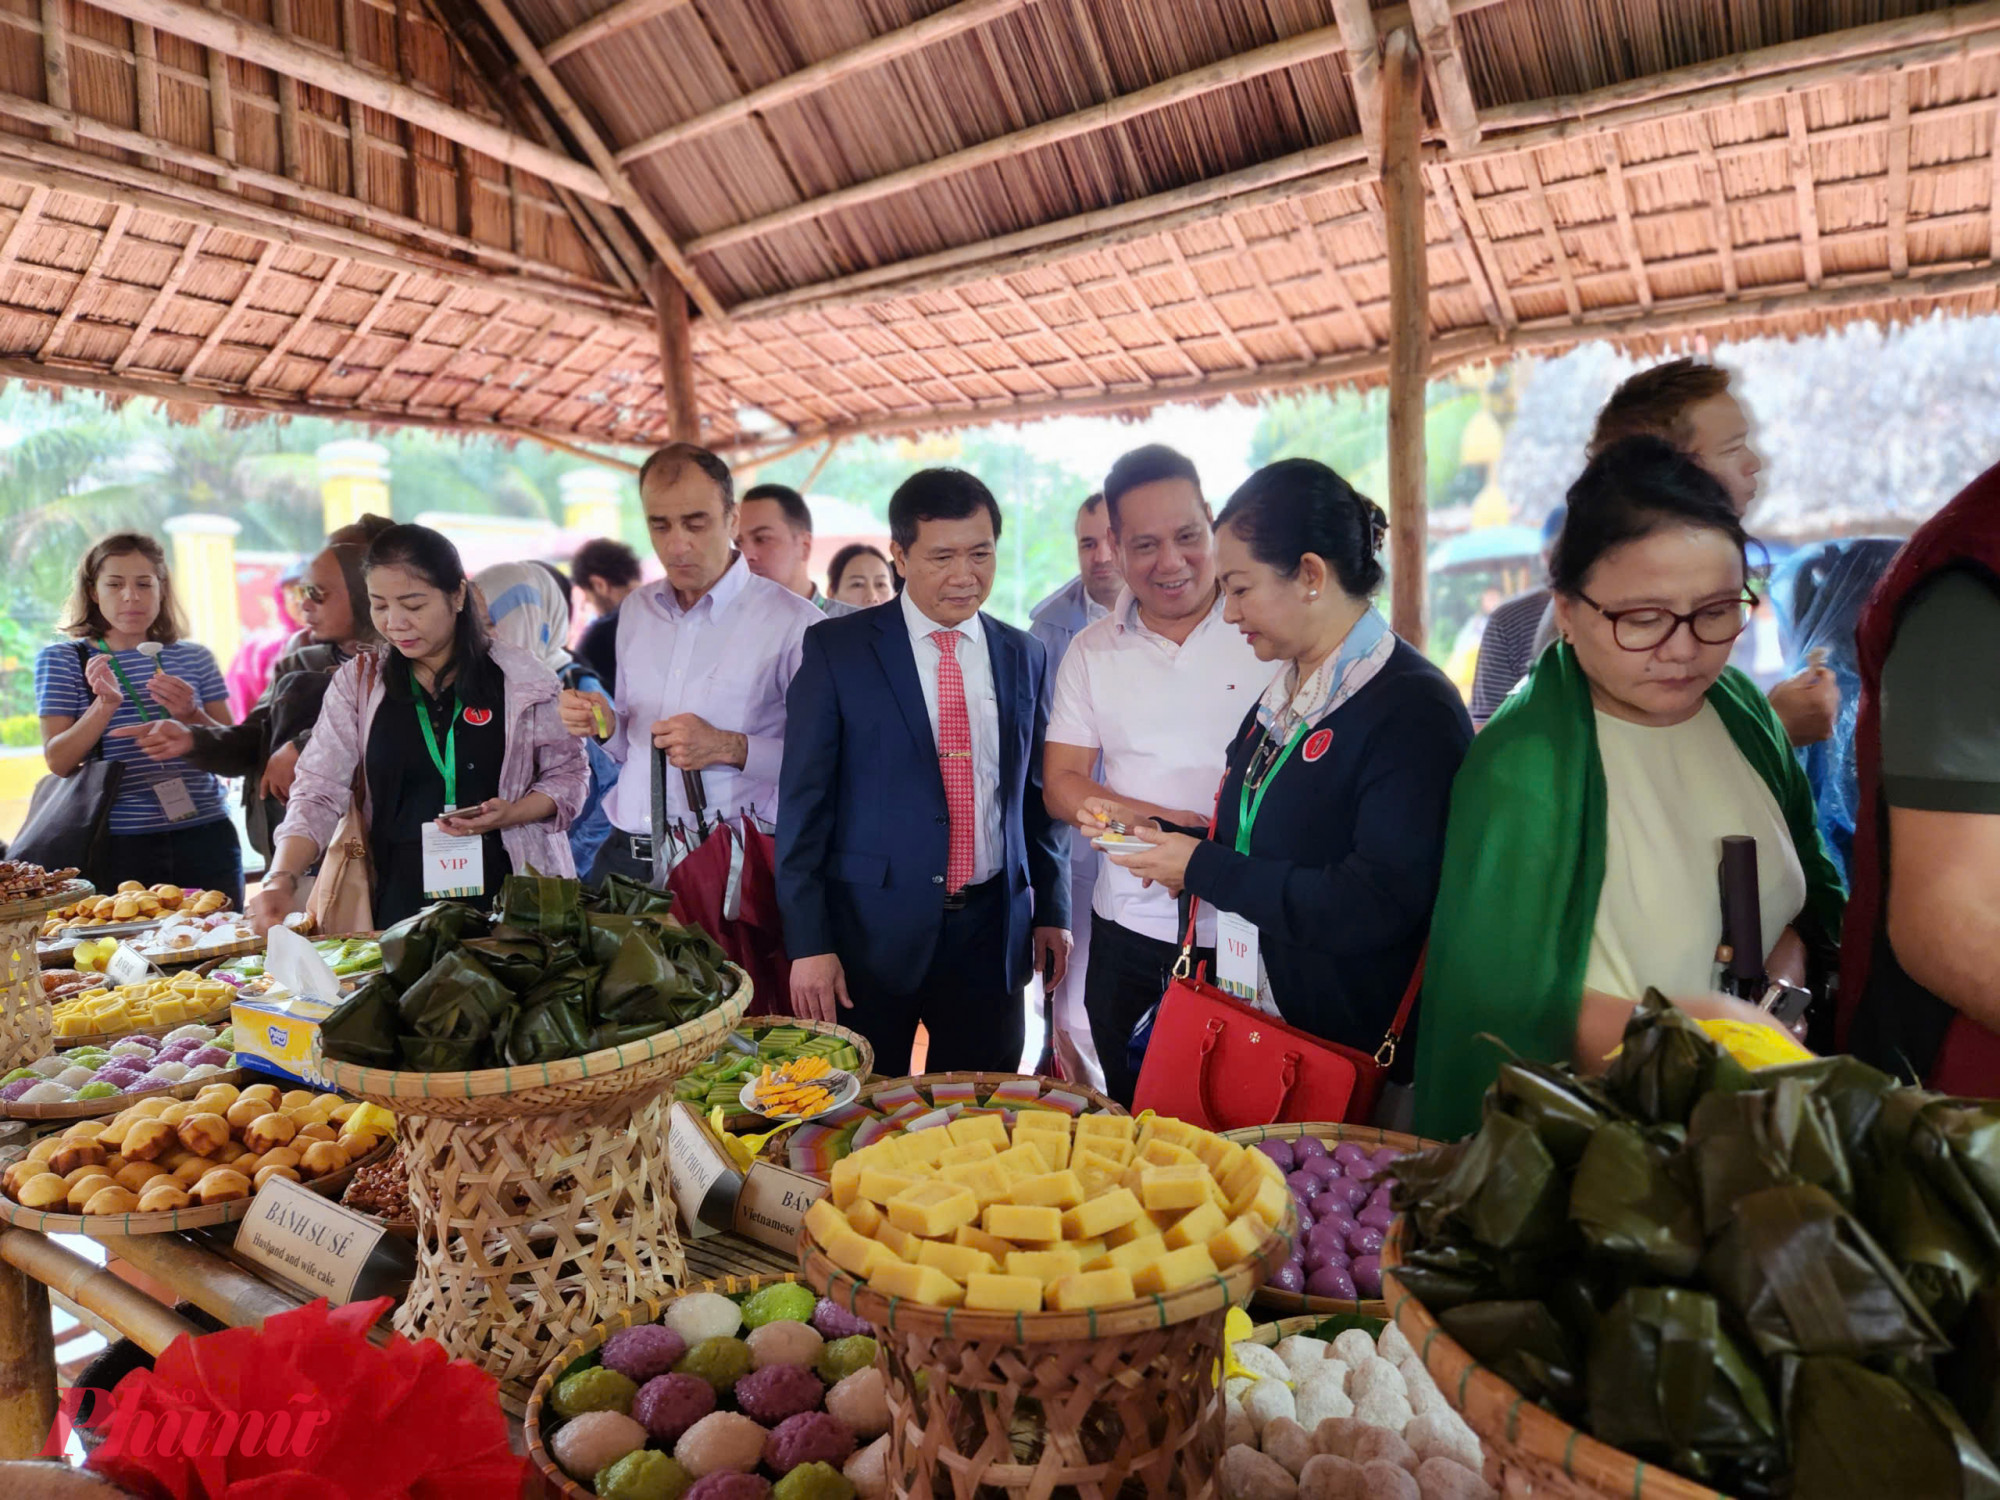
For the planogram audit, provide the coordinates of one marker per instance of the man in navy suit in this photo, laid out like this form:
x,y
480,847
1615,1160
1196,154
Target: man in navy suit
x,y
919,872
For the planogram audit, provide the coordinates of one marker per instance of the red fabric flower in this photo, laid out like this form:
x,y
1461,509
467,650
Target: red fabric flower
x,y
348,1420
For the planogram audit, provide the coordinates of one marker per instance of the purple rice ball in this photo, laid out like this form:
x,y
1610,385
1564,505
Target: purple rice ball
x,y
668,1405
18,1087
809,1437
1280,1152
220,1056
644,1351
1306,1147
777,1393
835,1322
729,1485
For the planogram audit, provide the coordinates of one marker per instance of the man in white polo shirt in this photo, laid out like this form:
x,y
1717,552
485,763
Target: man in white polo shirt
x,y
1156,688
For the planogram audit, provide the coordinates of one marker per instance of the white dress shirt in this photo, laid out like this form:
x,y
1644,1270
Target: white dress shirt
x,y
727,660
1162,715
982,707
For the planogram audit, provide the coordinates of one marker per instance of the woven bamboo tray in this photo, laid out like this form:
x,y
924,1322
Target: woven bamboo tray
x,y
218,1017
646,1311
90,1109
545,1088
736,1121
1272,1299
117,1226
1528,1450
26,1029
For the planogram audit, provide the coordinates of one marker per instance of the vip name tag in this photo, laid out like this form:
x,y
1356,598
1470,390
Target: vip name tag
x,y
306,1240
1236,955
453,866
176,801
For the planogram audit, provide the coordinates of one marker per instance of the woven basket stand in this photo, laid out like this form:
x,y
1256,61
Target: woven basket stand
x,y
26,1030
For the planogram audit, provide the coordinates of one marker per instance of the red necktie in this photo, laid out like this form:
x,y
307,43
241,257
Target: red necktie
x,y
955,759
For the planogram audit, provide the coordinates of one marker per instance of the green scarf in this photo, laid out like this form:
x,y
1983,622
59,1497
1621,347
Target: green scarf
x,y
1523,868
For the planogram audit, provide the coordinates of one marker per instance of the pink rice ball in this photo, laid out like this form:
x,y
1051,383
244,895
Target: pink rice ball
x,y
784,1342
777,1392
721,1441
595,1440
862,1402
809,1437
669,1405
644,1352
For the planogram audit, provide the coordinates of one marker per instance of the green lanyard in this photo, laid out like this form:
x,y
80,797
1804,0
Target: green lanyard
x,y
126,683
1246,805
447,763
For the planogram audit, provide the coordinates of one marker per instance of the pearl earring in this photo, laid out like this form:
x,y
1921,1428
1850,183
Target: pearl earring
x,y
1312,593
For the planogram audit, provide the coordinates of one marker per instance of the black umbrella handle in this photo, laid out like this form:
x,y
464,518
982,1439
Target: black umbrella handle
x,y
662,860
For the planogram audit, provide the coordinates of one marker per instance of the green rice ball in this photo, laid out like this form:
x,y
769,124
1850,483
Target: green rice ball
x,y
645,1475
786,1302
721,1362
843,1357
595,1389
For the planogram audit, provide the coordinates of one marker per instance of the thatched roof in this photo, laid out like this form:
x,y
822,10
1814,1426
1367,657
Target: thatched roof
x,y
900,213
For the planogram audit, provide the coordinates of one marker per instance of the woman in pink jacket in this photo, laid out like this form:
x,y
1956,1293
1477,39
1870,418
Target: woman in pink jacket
x,y
451,740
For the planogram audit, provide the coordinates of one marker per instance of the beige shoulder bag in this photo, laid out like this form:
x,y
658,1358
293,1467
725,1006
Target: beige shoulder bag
x,y
342,898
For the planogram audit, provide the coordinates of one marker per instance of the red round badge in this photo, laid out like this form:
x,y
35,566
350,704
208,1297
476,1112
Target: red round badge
x,y
478,716
1316,746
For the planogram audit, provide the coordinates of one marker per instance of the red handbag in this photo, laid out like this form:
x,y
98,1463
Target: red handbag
x,y
1220,1064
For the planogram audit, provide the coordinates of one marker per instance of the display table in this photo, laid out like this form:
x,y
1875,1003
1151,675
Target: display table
x,y
194,1267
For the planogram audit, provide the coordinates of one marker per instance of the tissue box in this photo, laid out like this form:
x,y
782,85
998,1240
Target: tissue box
x,y
278,1034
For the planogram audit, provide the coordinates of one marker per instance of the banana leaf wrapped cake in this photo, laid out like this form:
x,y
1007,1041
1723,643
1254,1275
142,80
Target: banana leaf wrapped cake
x,y
556,971
1779,1281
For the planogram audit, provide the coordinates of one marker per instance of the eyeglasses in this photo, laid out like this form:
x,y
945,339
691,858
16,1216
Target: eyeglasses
x,y
1648,629
312,593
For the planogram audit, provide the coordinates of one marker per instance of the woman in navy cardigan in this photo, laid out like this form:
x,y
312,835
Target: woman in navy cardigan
x,y
1329,830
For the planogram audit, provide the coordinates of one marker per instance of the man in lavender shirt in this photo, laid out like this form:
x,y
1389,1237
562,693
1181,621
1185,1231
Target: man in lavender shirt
x,y
704,659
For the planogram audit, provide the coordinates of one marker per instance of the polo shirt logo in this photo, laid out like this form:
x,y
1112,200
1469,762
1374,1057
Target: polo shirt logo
x,y
1320,742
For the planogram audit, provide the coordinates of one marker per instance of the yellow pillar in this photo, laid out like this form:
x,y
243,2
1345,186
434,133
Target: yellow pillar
x,y
591,499
205,579
353,481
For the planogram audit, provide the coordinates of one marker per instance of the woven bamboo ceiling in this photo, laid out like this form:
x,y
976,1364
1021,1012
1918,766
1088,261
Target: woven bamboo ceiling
x,y
893,214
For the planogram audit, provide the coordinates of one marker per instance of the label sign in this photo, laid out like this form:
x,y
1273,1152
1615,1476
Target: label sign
x,y
453,865
772,1205
705,1179
1236,955
306,1240
127,966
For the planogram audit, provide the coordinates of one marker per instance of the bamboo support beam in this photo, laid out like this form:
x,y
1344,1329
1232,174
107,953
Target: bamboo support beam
x,y
1552,234
146,86
608,23
25,220
1311,235
1800,158
1721,229
121,220
676,358
27,1359
1469,241
237,307
260,378
949,22
1293,50
291,153
444,308
1898,194
1409,331
225,32
55,58
169,289
1992,193
138,143
1451,86
222,107
384,301
1621,208
136,1316
1364,70
613,176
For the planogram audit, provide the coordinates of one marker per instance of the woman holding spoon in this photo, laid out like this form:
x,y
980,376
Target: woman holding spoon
x,y
125,666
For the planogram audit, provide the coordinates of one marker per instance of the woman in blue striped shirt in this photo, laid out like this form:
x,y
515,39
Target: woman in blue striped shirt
x,y
126,666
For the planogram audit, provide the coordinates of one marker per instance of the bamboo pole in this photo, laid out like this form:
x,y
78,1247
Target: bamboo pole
x,y
1293,50
676,358
1437,34
225,32
55,58
626,13
1409,331
623,193
135,1315
1364,71
949,22
27,1362
1899,174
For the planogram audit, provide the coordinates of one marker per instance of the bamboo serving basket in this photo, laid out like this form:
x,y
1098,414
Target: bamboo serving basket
x,y
924,1083
545,1088
646,1311
1529,1451
26,1030
117,1226
219,1017
1102,1401
738,1121
1276,1300
90,1109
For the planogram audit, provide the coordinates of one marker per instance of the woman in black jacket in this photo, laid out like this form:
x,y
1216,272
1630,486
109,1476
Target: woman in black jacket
x,y
1329,830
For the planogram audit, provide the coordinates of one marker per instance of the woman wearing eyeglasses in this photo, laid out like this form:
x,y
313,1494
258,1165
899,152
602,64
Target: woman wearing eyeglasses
x,y
1581,859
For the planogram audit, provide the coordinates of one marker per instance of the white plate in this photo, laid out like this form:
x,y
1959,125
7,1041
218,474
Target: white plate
x,y
845,1087
1119,843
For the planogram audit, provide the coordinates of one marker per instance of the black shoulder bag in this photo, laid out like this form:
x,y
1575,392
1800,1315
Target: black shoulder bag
x,y
69,816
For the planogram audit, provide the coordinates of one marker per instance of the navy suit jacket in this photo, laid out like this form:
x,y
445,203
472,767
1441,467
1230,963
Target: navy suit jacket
x,y
862,831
